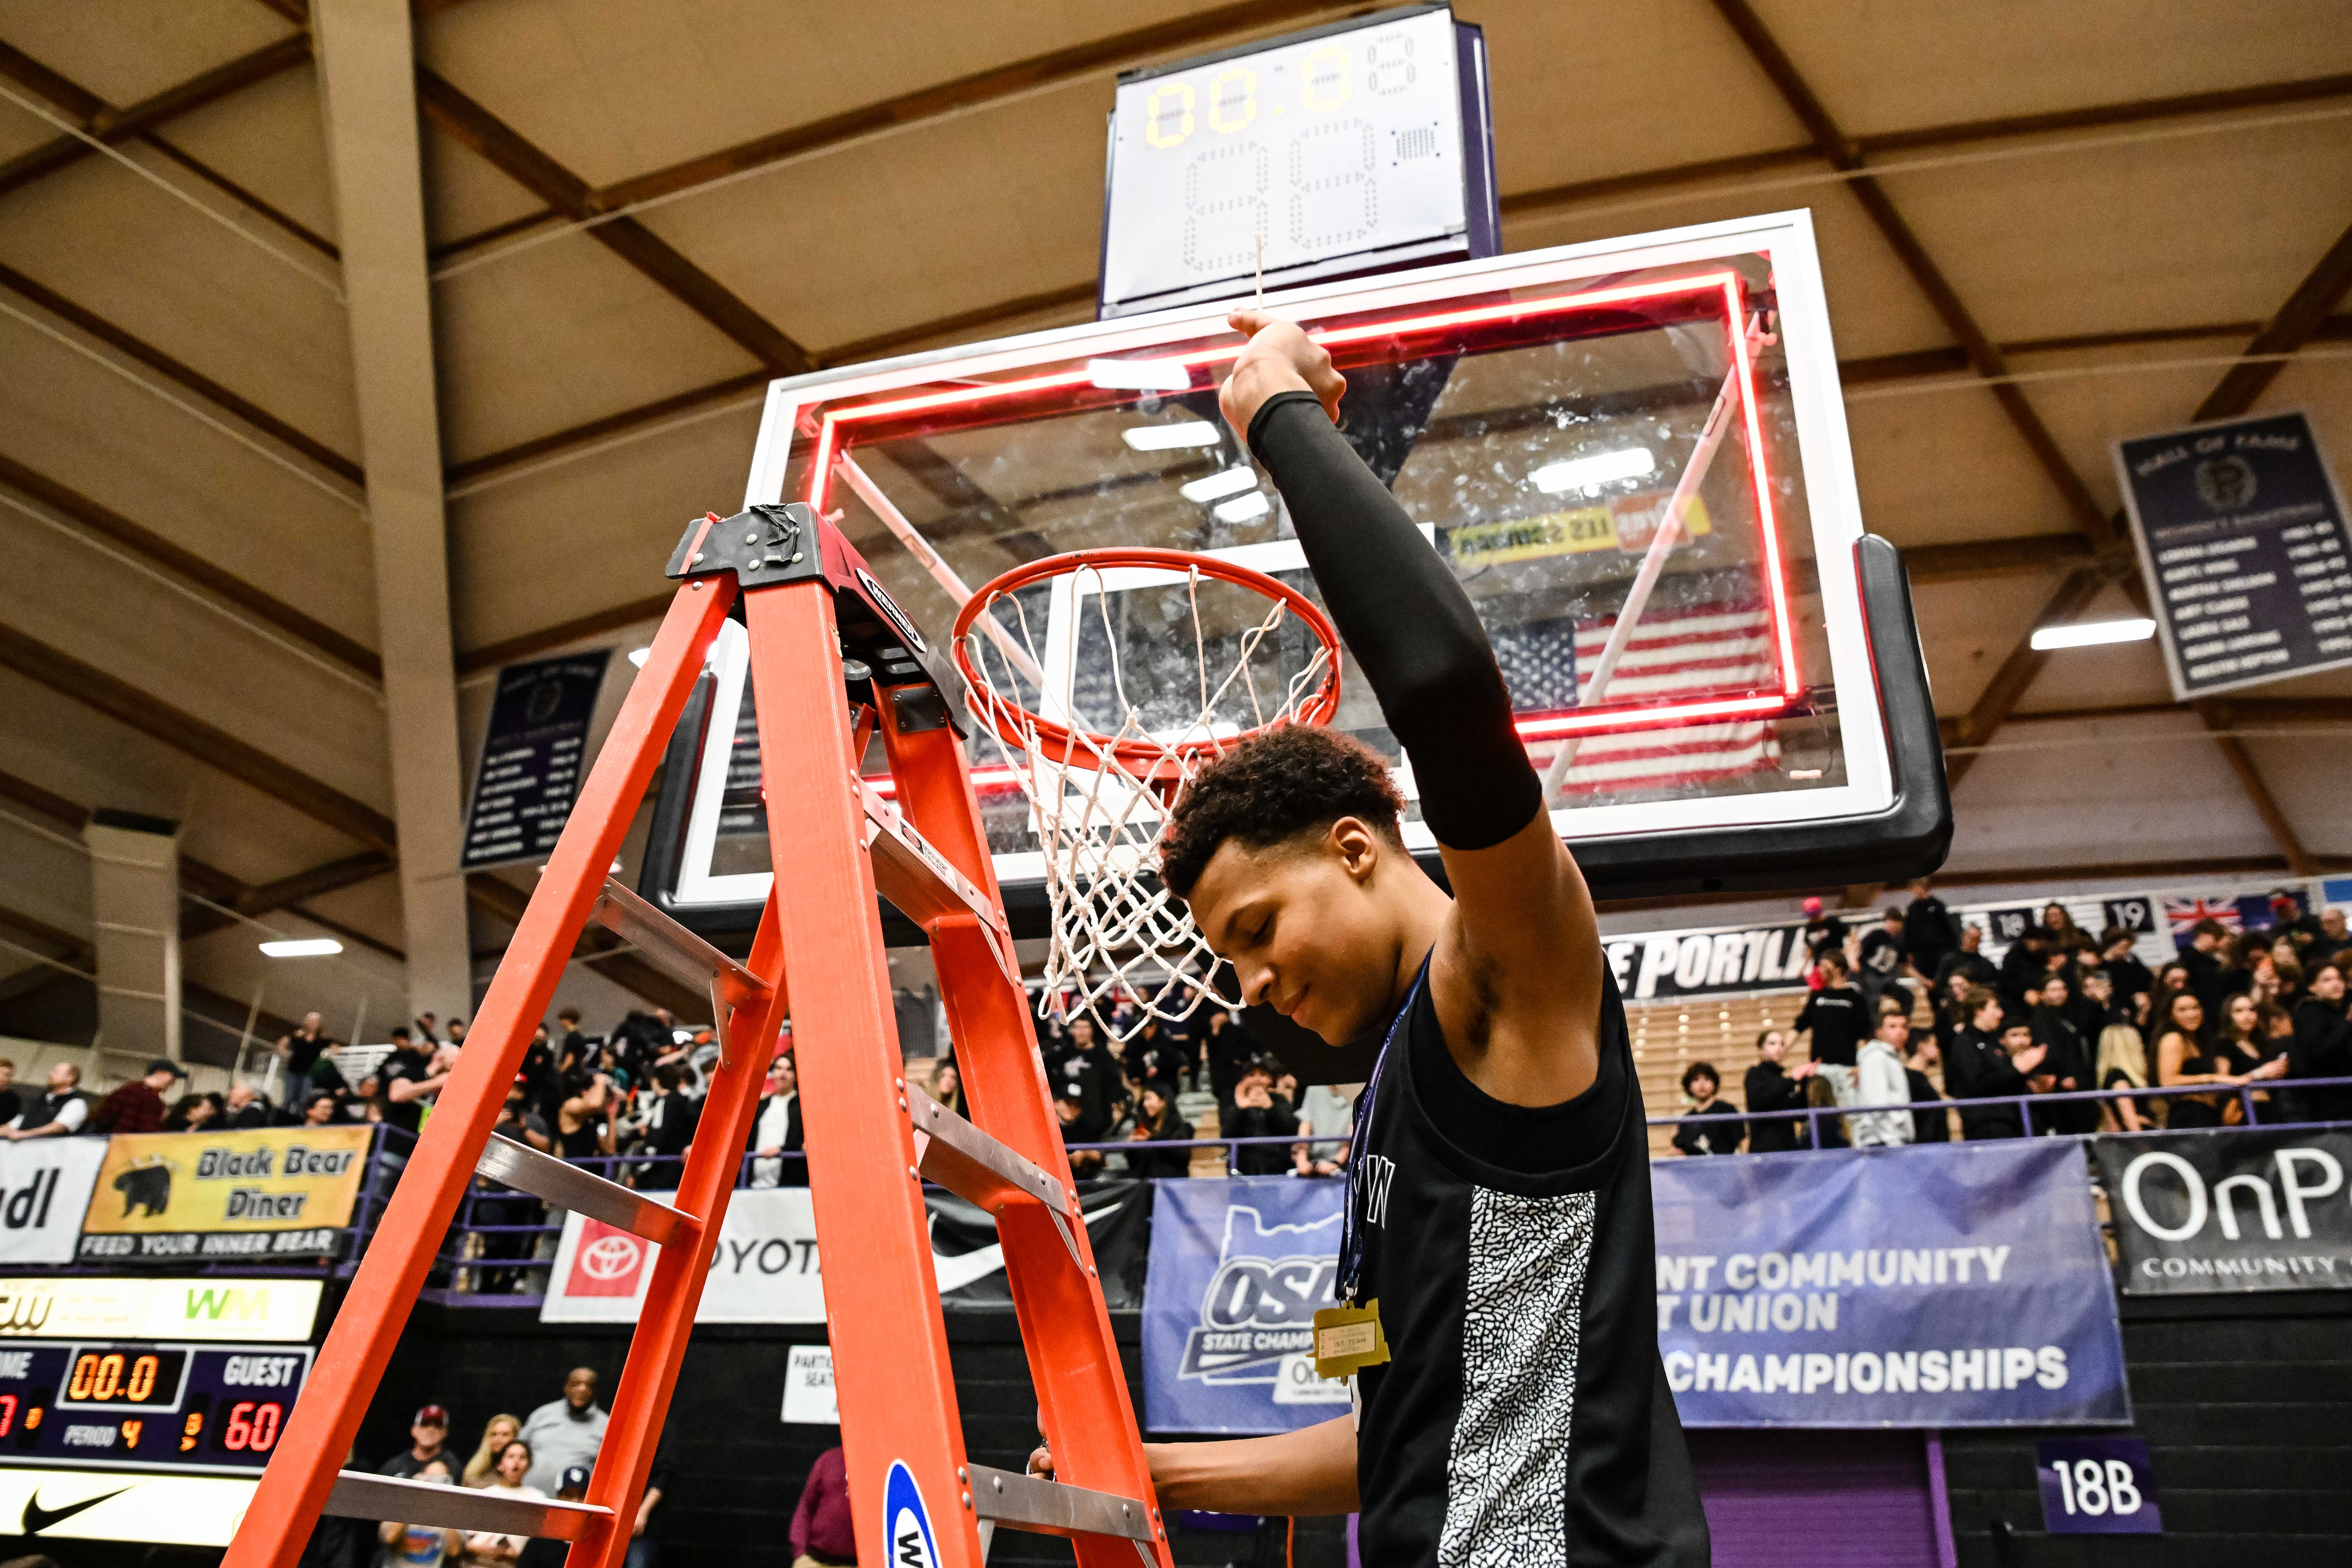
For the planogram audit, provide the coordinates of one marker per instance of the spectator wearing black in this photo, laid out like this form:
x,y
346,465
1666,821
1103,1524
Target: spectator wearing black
x,y
670,1123
1968,961
12,1103
1824,932
2201,959
60,1113
2068,1059
1836,1016
1929,1122
245,1109
1157,1120
1978,1068
301,1046
409,1078
1930,935
646,1537
1880,972
2323,1044
947,1087
428,1437
2021,969
545,1552
2119,961
542,1083
776,1135
1259,1112
1079,1125
1091,1067
2184,1056
138,1106
1228,1050
1723,1131
583,1120
572,1048
196,1112
1770,1087
322,1108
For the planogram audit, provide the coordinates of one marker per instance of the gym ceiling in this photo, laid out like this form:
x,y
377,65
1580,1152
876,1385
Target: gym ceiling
x,y
2042,227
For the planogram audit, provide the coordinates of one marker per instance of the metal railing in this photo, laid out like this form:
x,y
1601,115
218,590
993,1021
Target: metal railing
x,y
2249,1096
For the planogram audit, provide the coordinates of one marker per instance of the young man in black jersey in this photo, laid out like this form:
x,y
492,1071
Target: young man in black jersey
x,y
1499,1225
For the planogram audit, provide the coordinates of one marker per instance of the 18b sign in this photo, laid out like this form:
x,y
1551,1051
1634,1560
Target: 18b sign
x,y
2097,1486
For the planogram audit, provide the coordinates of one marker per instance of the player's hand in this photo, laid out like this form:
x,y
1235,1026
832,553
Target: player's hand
x,y
1279,357
1041,1462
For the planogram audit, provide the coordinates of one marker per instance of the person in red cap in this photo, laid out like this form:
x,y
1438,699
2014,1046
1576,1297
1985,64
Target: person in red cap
x,y
1824,933
426,1436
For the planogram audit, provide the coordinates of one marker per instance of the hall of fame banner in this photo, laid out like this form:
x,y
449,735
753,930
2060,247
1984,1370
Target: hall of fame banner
x,y
259,1194
1938,1285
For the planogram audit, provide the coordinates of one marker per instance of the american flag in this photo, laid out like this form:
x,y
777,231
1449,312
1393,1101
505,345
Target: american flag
x,y
1695,650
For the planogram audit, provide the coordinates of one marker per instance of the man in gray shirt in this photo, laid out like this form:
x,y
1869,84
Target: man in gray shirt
x,y
564,1432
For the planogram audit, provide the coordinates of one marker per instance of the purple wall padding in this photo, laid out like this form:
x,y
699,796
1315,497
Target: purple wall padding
x,y
1817,1499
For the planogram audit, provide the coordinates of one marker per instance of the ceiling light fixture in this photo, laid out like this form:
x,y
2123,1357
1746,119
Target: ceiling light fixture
x,y
1589,474
2090,634
1233,481
1242,509
1168,437
303,947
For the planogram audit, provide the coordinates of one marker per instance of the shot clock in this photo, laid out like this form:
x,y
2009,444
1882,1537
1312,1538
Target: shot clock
x,y
199,1408
1345,150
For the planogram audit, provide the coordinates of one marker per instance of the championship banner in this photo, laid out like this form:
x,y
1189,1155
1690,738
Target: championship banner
x,y
1238,1268
766,1269
45,1188
1945,1285
260,1194
2201,1214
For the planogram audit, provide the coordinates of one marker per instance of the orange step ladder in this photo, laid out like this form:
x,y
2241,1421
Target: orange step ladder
x,y
809,604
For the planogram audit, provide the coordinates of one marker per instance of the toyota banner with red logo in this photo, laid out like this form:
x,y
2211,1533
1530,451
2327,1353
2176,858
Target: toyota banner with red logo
x,y
766,1266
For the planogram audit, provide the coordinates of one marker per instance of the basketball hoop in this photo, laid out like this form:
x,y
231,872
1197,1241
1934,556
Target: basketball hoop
x,y
1100,766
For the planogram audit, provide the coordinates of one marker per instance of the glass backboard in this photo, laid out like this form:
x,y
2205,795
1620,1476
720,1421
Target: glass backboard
x,y
1539,415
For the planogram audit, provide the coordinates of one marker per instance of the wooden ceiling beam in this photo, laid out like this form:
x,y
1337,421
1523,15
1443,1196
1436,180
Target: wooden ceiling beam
x,y
514,156
1842,153
532,643
110,124
97,326
2303,317
186,733
1967,558
186,564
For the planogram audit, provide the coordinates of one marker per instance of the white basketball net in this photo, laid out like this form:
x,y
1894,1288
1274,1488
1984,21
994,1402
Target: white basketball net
x,y
1118,935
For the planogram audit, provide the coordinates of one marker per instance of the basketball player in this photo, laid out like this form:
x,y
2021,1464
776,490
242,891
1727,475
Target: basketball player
x,y
1498,1220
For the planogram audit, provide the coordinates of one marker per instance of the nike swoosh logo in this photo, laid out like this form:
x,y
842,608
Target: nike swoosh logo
x,y
971,1268
38,1519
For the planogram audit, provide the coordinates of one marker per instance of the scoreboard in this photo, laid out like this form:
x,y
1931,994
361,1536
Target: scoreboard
x,y
188,1408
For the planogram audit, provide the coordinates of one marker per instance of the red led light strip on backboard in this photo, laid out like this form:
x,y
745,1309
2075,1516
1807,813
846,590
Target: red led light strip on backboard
x,y
831,442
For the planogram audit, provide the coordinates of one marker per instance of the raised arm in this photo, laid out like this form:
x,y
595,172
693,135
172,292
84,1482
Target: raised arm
x,y
1517,977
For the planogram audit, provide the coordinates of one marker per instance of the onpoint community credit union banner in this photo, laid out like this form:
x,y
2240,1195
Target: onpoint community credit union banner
x,y
45,1188
2205,1212
766,1269
265,1192
1940,1284
1238,1268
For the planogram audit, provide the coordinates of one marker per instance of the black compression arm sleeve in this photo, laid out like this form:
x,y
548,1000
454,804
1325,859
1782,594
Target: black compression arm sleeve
x,y
1409,624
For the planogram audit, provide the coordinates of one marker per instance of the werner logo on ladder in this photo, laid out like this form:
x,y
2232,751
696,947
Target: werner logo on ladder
x,y
832,658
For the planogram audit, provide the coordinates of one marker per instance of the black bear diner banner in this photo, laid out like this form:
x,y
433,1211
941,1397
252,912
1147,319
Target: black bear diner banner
x,y
2241,535
533,758
254,1196
2202,1214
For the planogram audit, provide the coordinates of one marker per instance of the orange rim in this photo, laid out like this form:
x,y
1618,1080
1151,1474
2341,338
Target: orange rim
x,y
1066,746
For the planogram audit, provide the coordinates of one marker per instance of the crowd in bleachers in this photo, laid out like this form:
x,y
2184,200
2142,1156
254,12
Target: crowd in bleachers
x,y
2232,1023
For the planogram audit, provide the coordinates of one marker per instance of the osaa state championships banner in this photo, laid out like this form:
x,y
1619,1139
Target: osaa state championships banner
x,y
1949,1285
1939,1285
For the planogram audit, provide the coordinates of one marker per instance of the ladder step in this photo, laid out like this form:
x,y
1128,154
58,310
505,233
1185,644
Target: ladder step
x,y
525,1169
359,1495
922,883
973,1165
1050,1508
669,946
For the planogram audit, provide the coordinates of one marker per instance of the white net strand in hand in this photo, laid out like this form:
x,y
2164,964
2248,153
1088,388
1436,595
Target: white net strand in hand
x,y
1099,797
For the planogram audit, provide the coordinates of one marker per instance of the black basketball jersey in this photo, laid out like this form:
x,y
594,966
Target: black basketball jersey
x,y
1523,1420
